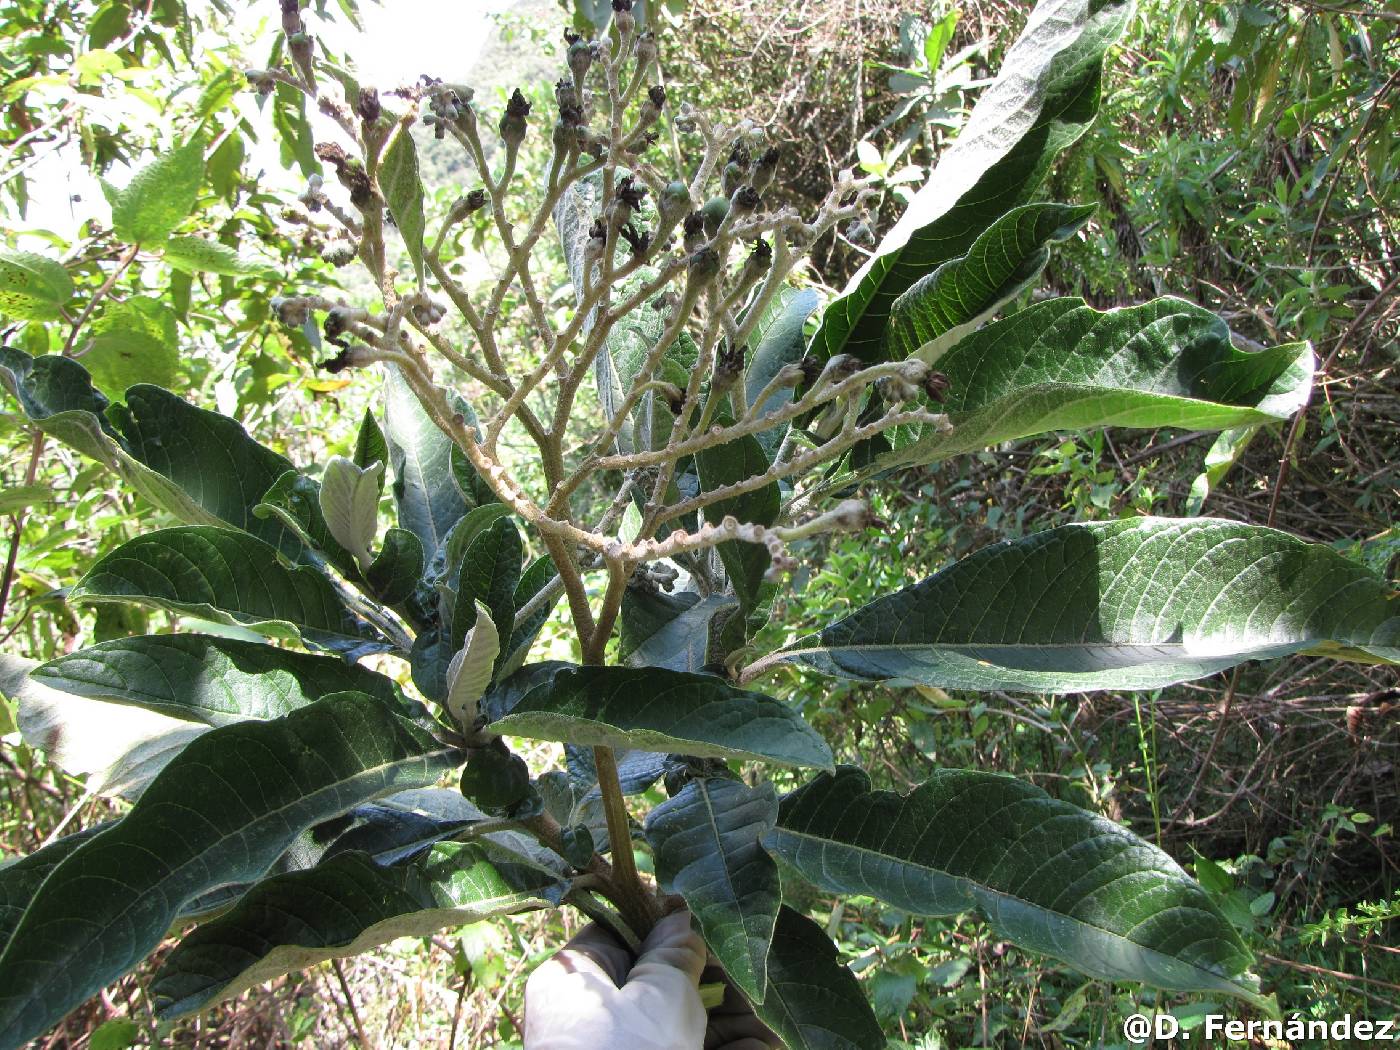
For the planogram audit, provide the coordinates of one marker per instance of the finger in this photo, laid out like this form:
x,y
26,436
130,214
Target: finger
x,y
593,946
673,944
724,1031
742,1044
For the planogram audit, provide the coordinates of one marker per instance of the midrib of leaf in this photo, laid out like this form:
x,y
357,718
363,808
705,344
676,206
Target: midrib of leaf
x,y
979,889
712,823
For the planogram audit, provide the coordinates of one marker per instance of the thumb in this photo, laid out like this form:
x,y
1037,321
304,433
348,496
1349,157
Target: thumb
x,y
673,945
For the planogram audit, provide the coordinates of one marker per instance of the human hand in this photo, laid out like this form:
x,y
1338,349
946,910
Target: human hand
x,y
592,996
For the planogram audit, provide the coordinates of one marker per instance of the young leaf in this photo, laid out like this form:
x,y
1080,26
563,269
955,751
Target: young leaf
x,y
706,844
653,709
397,568
159,196
421,457
350,505
32,288
488,573
294,502
814,1002
1044,98
222,812
1134,604
219,575
202,678
522,636
134,341
370,446
469,673
199,255
941,308
403,192
1046,875
1062,365
340,908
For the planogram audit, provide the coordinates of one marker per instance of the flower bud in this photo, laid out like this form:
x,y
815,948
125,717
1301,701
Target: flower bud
x,y
566,94
759,262
729,366
596,244
580,56
367,105
646,49
936,386
693,234
340,252
761,177
652,106
512,125
713,213
745,201
703,266
291,312
673,203
623,17
840,368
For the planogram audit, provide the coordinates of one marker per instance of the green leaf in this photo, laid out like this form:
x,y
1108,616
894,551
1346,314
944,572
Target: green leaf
x,y
469,673
118,748
1224,453
22,877
1062,365
222,812
1044,98
1046,875
813,1001
668,630
370,446
653,709
32,288
421,457
744,563
350,505
522,637
941,308
342,907
219,575
782,343
403,192
397,568
1134,604
133,342
706,845
206,679
159,196
294,503
21,497
209,456
488,572
197,255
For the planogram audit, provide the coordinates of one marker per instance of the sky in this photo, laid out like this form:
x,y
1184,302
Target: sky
x,y
402,39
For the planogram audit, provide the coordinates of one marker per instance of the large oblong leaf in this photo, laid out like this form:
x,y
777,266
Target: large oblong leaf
x,y
1062,365
342,907
403,193
653,709
428,500
1134,604
940,308
220,575
813,1001
706,842
159,196
202,678
221,813
1047,875
1044,98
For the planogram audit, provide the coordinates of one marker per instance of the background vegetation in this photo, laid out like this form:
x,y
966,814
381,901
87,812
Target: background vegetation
x,y
1246,157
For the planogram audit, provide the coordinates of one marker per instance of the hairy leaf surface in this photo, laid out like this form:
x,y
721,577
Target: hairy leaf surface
x,y
1046,875
342,907
653,709
706,842
220,813
1134,604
